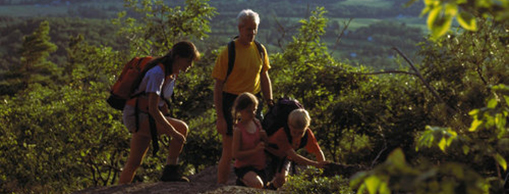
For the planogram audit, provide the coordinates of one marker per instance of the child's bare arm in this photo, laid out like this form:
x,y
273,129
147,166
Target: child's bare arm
x,y
303,160
320,157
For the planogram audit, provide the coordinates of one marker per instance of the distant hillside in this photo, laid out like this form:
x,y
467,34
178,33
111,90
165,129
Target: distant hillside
x,y
359,44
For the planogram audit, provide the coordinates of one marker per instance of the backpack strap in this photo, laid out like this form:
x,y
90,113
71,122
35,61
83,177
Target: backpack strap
x,y
258,124
231,56
303,140
152,122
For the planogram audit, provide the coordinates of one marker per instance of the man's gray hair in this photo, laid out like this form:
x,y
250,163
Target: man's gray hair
x,y
248,14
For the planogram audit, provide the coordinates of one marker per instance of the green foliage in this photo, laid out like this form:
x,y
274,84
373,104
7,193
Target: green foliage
x,y
345,104
49,68
63,138
461,67
161,25
443,137
311,181
396,175
34,53
486,137
203,145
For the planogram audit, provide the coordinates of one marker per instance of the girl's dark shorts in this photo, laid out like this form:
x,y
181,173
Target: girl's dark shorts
x,y
240,172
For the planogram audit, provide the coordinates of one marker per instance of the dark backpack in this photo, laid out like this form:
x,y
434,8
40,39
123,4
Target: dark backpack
x,y
277,117
231,56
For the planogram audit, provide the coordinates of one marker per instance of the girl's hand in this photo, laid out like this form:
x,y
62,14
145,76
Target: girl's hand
x,y
260,146
263,136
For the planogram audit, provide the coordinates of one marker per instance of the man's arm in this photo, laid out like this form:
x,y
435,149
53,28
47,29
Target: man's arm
x,y
218,102
266,88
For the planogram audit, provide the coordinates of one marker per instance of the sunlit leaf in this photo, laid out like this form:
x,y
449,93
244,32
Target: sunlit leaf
x,y
384,188
440,26
501,161
361,189
433,15
473,112
397,158
467,21
442,144
500,122
492,103
475,125
358,178
466,149
372,183
451,9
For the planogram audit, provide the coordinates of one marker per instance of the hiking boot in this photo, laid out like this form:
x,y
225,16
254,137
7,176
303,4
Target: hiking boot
x,y
270,186
239,182
171,173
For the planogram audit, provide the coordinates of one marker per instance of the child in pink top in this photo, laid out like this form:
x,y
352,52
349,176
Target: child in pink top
x,y
248,142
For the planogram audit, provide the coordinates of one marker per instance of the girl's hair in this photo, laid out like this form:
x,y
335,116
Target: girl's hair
x,y
184,49
248,14
243,101
299,118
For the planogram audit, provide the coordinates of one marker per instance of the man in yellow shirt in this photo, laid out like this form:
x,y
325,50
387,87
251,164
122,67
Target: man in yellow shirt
x,y
249,74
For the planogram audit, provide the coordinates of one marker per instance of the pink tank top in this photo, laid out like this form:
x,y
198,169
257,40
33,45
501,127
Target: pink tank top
x,y
249,141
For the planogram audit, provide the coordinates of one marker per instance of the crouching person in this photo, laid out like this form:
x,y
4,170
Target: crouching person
x,y
284,143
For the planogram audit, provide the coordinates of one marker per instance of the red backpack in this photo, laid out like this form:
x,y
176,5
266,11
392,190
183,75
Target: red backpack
x,y
123,91
128,81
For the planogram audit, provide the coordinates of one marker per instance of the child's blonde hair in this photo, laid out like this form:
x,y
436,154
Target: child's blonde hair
x,y
299,118
243,101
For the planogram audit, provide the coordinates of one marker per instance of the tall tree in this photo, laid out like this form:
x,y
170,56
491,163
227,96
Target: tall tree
x,y
157,25
36,48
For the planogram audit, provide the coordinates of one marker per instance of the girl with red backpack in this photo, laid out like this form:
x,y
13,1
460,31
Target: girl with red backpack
x,y
149,111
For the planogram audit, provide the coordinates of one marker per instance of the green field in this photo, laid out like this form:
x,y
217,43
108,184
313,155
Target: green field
x,y
31,10
368,3
222,25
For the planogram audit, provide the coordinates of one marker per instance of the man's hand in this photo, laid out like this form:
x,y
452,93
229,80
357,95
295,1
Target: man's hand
x,y
221,125
270,103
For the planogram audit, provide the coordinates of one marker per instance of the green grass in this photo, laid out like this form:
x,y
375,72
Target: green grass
x,y
368,3
355,23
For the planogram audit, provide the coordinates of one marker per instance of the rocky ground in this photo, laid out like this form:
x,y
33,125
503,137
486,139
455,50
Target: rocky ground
x,y
203,182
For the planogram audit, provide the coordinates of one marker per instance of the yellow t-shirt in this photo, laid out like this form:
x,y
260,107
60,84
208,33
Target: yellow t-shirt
x,y
245,75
